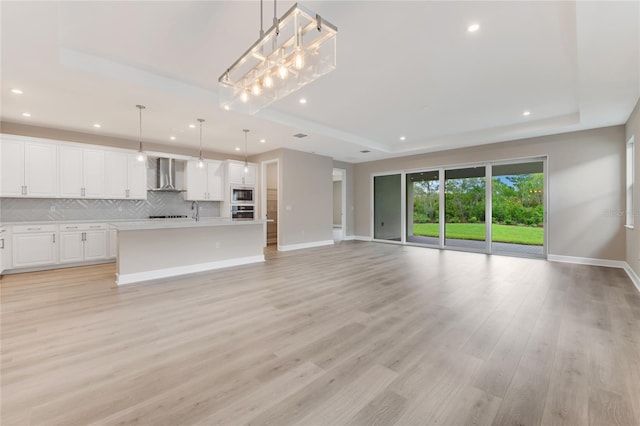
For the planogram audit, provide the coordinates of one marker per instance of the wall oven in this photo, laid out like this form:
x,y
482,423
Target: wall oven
x,y
242,211
242,195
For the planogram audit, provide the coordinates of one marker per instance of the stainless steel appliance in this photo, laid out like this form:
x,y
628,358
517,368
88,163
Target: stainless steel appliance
x,y
166,175
169,216
242,195
242,211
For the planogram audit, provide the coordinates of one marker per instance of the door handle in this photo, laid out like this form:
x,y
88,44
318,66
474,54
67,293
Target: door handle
x,y
127,193
84,236
1,243
82,192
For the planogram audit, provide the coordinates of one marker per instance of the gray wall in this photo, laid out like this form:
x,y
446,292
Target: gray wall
x,y
337,202
305,195
633,235
586,181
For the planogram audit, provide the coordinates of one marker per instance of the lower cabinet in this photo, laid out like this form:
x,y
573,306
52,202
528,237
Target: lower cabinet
x,y
79,243
113,243
34,245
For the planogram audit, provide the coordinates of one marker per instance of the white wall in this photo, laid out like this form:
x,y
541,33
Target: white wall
x,y
586,181
632,254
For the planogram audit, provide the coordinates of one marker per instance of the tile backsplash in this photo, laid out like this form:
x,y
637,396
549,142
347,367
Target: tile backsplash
x,y
52,209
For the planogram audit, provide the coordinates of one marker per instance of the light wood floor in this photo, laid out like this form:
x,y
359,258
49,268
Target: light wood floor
x,y
359,333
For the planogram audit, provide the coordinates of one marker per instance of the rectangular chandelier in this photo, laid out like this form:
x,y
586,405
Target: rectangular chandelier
x,y
299,48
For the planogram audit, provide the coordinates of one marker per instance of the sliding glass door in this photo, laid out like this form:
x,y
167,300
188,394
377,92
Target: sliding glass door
x,y
387,211
517,205
465,194
423,208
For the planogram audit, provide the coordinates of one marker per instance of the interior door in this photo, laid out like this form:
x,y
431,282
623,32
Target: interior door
x,y
387,209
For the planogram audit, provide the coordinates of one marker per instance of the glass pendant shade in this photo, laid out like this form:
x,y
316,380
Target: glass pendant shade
x,y
303,50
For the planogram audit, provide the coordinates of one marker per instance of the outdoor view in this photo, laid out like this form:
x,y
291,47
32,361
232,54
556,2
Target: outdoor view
x,y
517,207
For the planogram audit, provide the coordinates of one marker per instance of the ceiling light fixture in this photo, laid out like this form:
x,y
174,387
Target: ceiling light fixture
x,y
97,125
526,113
302,101
473,28
246,163
237,148
299,48
192,126
16,91
402,138
173,138
200,160
263,140
140,156
26,114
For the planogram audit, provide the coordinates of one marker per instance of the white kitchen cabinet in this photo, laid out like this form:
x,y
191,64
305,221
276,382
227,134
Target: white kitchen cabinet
x,y
237,175
117,166
206,183
136,178
113,243
83,242
29,169
82,172
5,249
34,245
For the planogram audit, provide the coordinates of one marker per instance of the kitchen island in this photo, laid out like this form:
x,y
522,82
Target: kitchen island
x,y
153,249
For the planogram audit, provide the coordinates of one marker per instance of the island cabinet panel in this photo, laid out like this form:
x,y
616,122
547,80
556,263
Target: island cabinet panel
x,y
28,169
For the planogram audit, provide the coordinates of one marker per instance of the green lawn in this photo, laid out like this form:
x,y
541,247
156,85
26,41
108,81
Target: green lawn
x,y
475,231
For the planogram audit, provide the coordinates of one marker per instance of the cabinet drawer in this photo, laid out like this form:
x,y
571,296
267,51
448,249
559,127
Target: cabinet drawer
x,y
21,229
83,227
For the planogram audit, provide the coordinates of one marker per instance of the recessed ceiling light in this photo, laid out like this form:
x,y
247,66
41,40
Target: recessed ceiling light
x,y
402,138
16,91
192,126
26,114
226,107
173,138
237,148
473,28
303,100
97,125
263,140
526,113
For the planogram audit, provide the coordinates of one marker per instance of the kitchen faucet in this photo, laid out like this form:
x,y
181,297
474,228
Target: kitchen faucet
x,y
195,206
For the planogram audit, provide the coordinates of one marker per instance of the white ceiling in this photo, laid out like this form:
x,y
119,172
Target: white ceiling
x,y
404,69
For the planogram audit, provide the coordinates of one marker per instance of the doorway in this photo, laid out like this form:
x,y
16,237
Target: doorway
x,y
270,204
339,203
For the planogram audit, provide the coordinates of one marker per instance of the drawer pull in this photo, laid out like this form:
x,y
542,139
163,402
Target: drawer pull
x,y
72,227
95,226
34,229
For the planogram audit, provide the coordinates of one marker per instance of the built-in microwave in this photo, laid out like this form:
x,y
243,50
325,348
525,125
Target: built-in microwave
x,y
242,212
242,195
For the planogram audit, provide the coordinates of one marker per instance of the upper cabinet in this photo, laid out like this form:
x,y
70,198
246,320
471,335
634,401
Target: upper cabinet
x,y
67,170
29,169
237,174
82,172
204,183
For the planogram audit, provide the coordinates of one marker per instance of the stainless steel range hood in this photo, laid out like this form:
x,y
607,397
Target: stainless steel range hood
x,y
166,175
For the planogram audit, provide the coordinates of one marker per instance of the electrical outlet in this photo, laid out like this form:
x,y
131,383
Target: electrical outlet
x,y
52,208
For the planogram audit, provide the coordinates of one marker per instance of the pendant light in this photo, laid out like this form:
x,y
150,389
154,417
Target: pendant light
x,y
200,160
140,156
246,163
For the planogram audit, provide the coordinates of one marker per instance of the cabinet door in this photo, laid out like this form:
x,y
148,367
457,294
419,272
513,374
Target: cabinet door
x,y
250,175
95,245
215,180
116,174
236,173
40,170
136,178
195,179
11,168
113,243
94,173
70,172
34,249
71,247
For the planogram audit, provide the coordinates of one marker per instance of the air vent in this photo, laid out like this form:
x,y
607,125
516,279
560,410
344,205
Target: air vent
x,y
300,135
365,151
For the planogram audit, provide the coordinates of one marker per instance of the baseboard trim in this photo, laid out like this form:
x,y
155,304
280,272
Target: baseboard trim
x,y
359,237
183,270
56,266
599,262
312,244
586,261
635,279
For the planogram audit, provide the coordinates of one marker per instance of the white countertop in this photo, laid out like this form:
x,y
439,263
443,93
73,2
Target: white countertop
x,y
150,224
110,221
